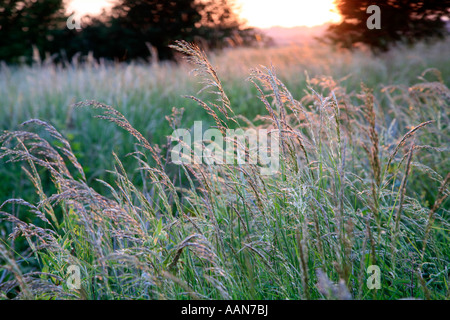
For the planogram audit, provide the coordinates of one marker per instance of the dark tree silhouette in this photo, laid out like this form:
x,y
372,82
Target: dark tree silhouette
x,y
404,21
27,23
160,22
129,31
154,22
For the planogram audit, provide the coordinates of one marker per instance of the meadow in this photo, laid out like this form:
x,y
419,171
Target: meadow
x,y
363,179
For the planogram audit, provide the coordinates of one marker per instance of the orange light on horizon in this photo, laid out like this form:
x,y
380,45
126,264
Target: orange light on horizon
x,y
288,13
92,7
257,13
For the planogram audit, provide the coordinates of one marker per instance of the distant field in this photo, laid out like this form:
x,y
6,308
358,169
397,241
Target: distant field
x,y
353,195
146,94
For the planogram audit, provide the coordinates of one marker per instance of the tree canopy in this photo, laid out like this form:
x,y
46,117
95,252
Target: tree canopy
x,y
126,32
404,21
24,24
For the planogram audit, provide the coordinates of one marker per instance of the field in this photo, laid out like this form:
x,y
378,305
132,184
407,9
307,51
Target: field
x,y
362,182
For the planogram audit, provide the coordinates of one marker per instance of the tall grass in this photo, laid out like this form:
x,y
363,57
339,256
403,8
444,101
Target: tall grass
x,y
359,184
146,94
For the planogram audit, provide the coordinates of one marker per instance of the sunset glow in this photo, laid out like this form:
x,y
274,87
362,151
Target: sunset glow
x,y
287,13
93,7
257,13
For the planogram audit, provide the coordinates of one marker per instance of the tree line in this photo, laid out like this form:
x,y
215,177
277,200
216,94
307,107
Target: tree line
x,y
400,21
133,29
130,30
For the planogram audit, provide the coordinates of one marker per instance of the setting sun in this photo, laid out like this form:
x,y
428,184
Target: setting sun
x,y
257,13
287,13
93,7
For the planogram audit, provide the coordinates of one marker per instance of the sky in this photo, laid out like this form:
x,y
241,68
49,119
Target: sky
x,y
287,13
257,13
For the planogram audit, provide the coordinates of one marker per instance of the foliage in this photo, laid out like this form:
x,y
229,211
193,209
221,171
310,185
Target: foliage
x,y
159,23
344,198
401,21
26,23
131,30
